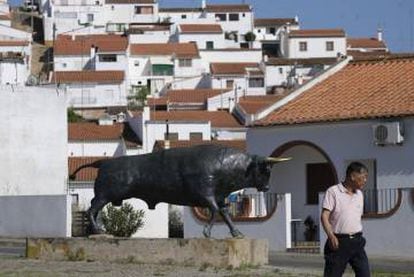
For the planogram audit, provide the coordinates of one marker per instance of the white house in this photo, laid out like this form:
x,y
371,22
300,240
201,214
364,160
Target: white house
x,y
157,65
5,18
90,52
236,20
149,33
15,56
92,89
268,33
313,43
206,36
178,15
244,78
33,200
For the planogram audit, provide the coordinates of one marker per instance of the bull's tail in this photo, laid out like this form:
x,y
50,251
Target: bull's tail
x,y
96,164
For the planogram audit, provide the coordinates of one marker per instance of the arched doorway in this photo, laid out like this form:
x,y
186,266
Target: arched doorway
x,y
309,172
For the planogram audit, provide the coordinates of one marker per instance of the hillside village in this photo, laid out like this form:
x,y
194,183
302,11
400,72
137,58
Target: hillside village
x,y
137,77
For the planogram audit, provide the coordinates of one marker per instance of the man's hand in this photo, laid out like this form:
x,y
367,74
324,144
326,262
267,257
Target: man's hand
x,y
333,242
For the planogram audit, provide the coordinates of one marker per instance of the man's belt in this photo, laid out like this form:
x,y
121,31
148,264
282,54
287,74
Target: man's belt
x,y
349,236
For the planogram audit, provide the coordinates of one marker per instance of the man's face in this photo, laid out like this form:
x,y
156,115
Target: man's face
x,y
359,179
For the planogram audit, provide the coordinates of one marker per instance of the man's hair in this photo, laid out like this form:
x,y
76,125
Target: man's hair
x,y
355,167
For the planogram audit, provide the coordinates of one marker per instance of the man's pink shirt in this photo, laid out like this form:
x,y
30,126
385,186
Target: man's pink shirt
x,y
346,209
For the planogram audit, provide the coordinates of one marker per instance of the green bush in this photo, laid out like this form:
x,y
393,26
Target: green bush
x,y
123,221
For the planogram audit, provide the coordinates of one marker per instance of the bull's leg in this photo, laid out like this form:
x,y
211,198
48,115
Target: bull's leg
x,y
97,204
212,206
224,212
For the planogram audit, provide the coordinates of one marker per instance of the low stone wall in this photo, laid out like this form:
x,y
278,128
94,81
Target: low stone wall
x,y
196,252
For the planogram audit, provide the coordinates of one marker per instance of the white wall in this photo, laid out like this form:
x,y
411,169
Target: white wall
x,y
34,147
316,48
227,56
150,37
125,13
13,73
120,64
96,149
241,83
155,221
70,63
201,39
276,229
393,162
42,216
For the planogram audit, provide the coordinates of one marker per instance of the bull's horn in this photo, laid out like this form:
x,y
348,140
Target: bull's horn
x,y
278,160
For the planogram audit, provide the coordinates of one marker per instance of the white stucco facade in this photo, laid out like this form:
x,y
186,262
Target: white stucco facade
x,y
316,47
96,148
217,40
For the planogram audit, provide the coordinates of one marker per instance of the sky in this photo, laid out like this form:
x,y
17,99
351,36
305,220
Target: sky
x,y
359,18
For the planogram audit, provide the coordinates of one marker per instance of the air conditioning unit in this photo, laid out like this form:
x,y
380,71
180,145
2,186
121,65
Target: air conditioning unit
x,y
388,133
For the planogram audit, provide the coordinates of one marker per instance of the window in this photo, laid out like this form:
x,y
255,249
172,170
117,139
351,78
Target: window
x,y
90,17
229,83
107,58
259,30
162,70
244,45
183,16
196,136
280,70
75,199
64,65
256,82
185,63
234,17
171,136
329,46
136,63
221,16
144,10
303,46
210,45
272,30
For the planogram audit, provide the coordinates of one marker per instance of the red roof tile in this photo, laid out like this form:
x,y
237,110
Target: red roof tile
x,y
5,16
220,119
253,104
271,22
228,8
201,28
182,50
231,68
317,33
66,45
186,96
92,131
365,43
362,90
85,175
310,61
88,76
14,43
130,1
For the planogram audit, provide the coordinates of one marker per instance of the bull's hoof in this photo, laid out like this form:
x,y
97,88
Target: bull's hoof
x,y
237,234
207,232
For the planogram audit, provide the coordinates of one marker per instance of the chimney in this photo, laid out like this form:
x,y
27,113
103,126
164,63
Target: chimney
x,y
379,34
73,36
203,4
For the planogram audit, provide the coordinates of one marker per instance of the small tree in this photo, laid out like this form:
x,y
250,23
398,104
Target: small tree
x,y
73,117
123,221
250,37
137,100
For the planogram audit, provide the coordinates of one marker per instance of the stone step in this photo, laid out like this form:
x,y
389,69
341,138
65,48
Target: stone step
x,y
12,247
12,242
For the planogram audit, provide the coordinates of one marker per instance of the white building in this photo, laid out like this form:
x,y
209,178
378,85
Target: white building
x,y
92,89
363,103
313,43
243,78
206,36
15,56
367,46
145,33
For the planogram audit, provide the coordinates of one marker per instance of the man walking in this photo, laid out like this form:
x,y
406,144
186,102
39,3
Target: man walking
x,y
341,220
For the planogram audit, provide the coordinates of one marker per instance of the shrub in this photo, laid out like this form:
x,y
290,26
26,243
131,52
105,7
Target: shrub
x,y
123,221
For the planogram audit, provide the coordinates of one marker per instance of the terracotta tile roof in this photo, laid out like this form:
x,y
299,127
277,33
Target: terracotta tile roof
x,y
271,22
253,104
186,96
365,43
228,8
239,144
91,131
362,90
179,10
87,174
220,119
317,33
14,43
89,76
201,28
182,50
310,61
5,16
231,68
81,44
130,1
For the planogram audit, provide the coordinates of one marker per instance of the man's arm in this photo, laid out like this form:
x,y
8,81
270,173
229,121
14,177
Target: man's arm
x,y
333,240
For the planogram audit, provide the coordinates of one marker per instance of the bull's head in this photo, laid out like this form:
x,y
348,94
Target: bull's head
x,y
258,172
